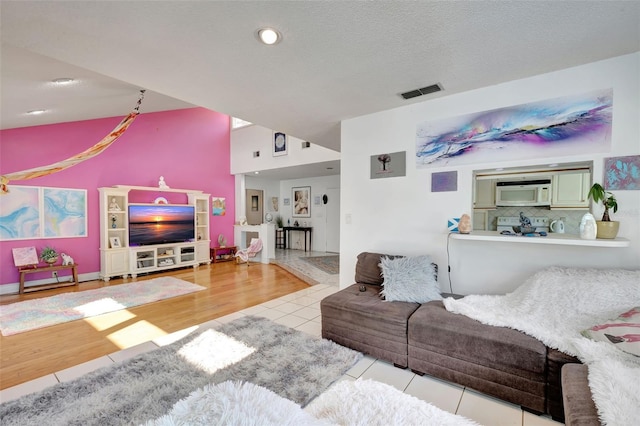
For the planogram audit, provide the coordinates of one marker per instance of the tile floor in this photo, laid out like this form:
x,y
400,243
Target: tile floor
x,y
301,310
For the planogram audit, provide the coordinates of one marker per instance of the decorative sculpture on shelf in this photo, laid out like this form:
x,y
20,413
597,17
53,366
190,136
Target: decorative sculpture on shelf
x,y
66,259
113,205
162,184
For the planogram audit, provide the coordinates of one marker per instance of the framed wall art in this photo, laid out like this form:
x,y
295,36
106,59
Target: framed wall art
x,y
280,144
301,197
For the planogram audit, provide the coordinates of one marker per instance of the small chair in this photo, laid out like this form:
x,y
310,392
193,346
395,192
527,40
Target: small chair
x,y
245,254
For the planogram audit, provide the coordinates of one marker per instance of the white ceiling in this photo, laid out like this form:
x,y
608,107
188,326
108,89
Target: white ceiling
x,y
337,60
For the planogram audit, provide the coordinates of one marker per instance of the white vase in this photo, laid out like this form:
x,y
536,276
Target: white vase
x,y
588,227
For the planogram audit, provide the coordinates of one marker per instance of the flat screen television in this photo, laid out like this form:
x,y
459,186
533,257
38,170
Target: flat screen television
x,y
160,224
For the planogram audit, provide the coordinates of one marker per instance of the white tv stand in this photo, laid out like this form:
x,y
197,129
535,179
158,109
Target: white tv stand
x,y
123,260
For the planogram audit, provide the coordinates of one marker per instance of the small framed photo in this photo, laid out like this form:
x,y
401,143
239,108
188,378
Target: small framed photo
x,y
301,196
280,144
25,256
115,242
286,201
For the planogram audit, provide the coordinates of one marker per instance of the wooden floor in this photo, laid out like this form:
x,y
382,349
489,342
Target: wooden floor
x,y
230,288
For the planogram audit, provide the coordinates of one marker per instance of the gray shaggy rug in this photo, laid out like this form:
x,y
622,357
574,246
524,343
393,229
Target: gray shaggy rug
x,y
288,362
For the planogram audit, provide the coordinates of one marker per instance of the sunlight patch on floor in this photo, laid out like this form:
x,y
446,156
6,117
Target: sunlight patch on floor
x,y
112,319
213,351
135,334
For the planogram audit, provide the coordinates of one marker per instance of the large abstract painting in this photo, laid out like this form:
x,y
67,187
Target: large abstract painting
x,y
35,212
556,127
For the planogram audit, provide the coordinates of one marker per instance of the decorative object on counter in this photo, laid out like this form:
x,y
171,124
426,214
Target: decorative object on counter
x,y
464,226
557,225
162,184
49,255
452,224
66,259
607,228
268,218
525,226
296,223
242,220
588,227
222,240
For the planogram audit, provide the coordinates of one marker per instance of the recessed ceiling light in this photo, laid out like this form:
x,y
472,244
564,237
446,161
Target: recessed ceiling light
x,y
256,173
63,81
36,111
268,36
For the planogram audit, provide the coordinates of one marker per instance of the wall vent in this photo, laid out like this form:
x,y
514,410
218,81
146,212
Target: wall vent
x,y
306,144
256,154
424,91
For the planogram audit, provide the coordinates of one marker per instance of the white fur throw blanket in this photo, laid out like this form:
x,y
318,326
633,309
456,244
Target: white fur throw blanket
x,y
554,306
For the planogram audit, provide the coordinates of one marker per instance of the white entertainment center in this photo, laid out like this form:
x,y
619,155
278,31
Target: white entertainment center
x,y
117,258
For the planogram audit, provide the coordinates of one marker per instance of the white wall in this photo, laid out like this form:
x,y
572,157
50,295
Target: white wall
x,y
401,216
246,140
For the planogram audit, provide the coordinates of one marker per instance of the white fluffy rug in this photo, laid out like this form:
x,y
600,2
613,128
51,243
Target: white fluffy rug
x,y
359,403
554,306
371,403
236,403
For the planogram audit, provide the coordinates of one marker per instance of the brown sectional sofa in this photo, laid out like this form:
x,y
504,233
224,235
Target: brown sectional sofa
x,y
497,361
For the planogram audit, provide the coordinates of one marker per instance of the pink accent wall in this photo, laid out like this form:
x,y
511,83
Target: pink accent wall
x,y
189,147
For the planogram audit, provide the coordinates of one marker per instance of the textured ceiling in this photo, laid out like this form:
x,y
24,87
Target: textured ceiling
x,y
337,60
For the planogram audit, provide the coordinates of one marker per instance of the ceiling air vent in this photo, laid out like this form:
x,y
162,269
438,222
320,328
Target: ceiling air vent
x,y
424,91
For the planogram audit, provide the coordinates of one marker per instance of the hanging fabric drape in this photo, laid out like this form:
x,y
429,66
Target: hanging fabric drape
x,y
76,159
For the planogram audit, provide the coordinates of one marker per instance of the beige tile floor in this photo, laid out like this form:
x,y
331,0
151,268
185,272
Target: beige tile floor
x,y
301,310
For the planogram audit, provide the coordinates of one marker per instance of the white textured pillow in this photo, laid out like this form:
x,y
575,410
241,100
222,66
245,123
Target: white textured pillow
x,y
409,279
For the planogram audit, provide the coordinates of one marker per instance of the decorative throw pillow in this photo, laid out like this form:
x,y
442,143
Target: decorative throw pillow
x,y
623,332
409,279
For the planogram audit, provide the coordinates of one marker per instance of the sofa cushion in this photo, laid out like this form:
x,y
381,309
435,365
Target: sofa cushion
x,y
409,279
362,321
622,332
368,269
498,361
579,408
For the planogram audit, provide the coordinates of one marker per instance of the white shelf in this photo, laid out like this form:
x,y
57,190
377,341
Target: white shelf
x,y
149,188
558,239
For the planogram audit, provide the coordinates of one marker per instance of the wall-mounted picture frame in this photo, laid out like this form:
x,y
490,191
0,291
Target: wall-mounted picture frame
x,y
286,201
301,196
115,242
280,144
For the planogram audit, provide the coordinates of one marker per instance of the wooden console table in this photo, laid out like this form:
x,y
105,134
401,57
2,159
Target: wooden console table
x,y
305,229
230,250
26,270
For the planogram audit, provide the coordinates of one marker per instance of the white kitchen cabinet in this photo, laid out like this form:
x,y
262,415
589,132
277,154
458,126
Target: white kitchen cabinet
x,y
485,194
569,190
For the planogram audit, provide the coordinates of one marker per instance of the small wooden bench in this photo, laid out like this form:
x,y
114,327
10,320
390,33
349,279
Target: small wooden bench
x,y
31,270
217,251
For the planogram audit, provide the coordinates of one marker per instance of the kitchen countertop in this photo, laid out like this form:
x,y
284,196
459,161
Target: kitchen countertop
x,y
551,238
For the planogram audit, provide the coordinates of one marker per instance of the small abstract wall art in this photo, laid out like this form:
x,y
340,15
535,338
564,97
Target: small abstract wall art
x,y
444,181
65,212
389,165
622,173
219,206
555,127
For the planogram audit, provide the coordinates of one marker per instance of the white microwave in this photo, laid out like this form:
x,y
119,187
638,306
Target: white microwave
x,y
524,193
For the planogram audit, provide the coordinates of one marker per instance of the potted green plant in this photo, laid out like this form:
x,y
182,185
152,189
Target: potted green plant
x,y
279,222
49,255
607,228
